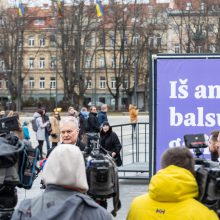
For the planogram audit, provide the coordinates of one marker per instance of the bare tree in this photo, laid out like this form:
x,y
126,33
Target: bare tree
x,y
11,41
75,45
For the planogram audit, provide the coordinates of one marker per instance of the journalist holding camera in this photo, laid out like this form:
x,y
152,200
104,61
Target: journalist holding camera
x,y
214,145
172,191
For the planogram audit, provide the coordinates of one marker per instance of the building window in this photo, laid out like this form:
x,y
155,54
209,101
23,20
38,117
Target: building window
x,y
113,83
39,22
88,63
125,40
125,61
31,63
154,41
188,6
42,63
212,48
177,48
158,42
136,39
113,41
6,84
42,83
53,62
125,84
31,82
89,83
1,83
42,41
20,43
2,65
52,40
102,39
88,43
199,49
102,82
113,62
31,41
101,62
102,99
52,82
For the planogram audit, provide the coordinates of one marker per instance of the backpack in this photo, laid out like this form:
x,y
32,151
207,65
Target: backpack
x,y
34,124
27,166
48,128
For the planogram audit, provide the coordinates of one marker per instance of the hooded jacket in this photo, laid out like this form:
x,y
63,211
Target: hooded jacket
x,y
65,178
172,193
40,134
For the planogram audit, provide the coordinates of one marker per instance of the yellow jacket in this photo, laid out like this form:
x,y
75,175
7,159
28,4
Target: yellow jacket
x,y
171,197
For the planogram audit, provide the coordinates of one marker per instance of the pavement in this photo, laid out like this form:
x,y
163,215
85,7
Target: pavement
x,y
129,189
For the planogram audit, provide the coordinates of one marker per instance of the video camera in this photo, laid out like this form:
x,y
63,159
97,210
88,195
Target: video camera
x,y
17,159
207,173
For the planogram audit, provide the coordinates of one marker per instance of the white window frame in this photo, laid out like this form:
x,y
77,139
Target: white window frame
x,y
113,83
102,82
31,41
53,62
1,84
113,62
52,82
88,62
42,41
42,63
31,82
2,65
89,83
136,39
31,63
177,48
42,83
101,62
125,84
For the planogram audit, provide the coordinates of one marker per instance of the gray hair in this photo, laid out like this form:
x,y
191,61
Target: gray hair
x,y
69,119
103,107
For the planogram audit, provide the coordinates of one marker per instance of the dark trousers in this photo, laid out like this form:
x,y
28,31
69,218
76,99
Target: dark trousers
x,y
47,140
40,147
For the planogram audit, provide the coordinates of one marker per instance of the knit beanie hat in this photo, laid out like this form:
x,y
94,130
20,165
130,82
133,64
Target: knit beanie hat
x,y
66,167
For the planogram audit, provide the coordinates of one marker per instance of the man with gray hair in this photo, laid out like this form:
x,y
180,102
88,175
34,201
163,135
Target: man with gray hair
x,y
69,129
64,175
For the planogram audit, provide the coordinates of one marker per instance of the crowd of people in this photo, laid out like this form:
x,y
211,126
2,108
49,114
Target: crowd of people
x,y
173,190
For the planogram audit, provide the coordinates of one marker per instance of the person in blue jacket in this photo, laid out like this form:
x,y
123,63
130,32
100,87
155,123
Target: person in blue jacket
x,y
26,130
102,115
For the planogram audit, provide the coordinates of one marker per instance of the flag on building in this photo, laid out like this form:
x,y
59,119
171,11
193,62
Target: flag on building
x,y
99,9
20,8
59,8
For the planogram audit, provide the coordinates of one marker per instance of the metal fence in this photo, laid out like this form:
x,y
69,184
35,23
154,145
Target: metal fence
x,y
135,150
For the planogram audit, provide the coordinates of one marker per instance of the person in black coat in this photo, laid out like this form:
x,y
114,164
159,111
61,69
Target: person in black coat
x,y
93,123
110,142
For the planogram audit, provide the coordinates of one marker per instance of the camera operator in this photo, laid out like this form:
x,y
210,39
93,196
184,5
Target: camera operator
x,y
172,191
214,145
65,177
